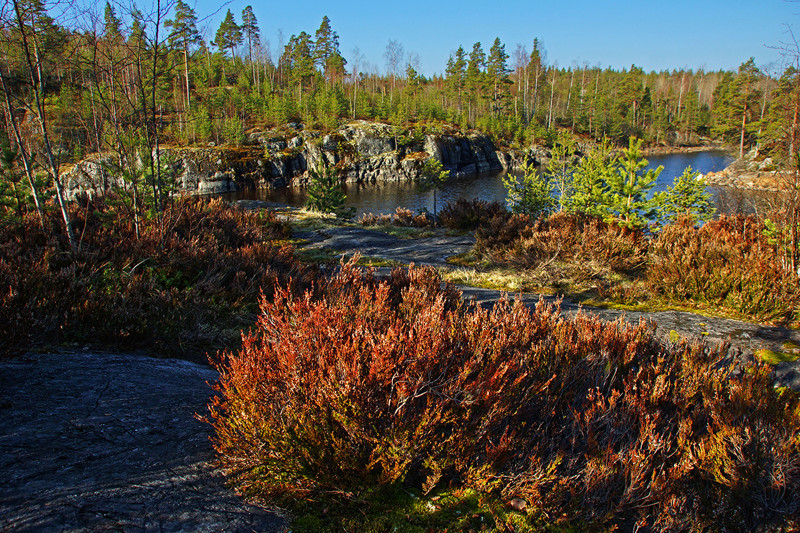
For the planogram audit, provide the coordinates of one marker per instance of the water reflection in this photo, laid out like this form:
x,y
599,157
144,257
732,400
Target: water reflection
x,y
384,197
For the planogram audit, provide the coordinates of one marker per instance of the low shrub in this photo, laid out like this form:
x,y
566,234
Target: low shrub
x,y
501,233
182,286
727,262
365,383
579,241
470,214
403,217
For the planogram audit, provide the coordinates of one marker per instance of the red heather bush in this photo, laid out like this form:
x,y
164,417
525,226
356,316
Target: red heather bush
x,y
568,237
470,214
366,382
180,287
404,218
727,262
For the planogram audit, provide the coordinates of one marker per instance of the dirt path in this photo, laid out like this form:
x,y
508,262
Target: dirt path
x,y
744,337
99,442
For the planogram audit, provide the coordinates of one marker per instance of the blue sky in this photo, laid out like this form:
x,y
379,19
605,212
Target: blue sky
x,y
696,34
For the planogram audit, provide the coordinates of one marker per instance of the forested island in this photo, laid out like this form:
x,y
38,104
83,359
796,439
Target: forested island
x,y
380,399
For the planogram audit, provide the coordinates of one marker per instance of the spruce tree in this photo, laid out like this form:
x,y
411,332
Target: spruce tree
x,y
497,74
111,26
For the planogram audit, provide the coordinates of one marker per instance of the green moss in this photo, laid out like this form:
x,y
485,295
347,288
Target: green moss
x,y
398,509
327,255
773,358
791,348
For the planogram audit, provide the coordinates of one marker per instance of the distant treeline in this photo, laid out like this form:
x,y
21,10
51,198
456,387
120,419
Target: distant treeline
x,y
135,78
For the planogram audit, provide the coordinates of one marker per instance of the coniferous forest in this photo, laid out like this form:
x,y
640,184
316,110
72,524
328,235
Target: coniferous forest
x,y
128,77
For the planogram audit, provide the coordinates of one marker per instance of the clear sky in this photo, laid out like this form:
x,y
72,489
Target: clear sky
x,y
709,34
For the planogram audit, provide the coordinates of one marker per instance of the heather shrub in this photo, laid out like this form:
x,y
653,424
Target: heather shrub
x,y
501,233
366,382
185,284
727,262
371,219
567,237
470,214
403,217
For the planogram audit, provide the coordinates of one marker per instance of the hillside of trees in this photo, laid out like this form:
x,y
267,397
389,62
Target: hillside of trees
x,y
130,79
126,82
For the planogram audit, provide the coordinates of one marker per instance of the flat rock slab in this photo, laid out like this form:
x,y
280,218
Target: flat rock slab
x,y
428,251
101,442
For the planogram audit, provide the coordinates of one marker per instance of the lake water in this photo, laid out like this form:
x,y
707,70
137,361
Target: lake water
x,y
384,197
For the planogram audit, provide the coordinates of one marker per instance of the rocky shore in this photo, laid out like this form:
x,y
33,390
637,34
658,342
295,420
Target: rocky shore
x,y
753,172
365,152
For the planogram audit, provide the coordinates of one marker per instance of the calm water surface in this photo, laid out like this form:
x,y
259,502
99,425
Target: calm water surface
x,y
386,196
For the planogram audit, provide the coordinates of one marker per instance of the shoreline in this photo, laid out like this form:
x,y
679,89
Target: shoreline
x,y
667,150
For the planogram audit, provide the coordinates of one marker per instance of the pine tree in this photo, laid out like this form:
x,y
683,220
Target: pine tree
x,y
459,74
530,193
325,194
735,99
783,121
229,35
251,31
432,177
590,182
536,70
628,188
326,51
300,61
183,36
475,75
687,197
560,168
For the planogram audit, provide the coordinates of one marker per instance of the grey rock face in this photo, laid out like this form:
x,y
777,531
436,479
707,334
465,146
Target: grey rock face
x,y
366,152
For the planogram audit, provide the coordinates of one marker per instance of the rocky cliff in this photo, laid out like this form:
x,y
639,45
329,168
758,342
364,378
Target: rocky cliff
x,y
366,152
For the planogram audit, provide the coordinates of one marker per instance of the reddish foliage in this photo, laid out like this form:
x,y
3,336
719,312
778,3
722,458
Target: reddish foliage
x,y
469,215
567,237
181,287
727,262
368,382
